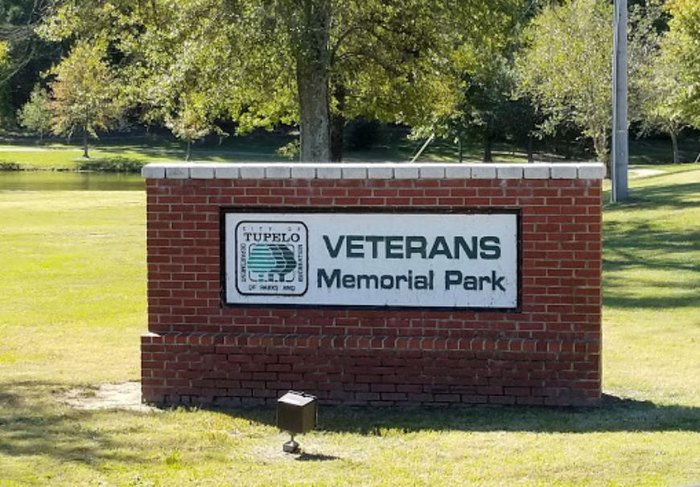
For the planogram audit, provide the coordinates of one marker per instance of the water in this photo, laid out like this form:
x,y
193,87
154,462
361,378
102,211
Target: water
x,y
69,181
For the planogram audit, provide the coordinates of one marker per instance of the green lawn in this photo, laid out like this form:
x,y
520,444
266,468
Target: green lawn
x,y
119,154
131,153
72,308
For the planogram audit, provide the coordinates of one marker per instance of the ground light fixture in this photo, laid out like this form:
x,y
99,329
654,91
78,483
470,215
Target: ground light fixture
x,y
297,413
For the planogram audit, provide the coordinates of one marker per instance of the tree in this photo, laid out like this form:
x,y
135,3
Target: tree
x,y
385,68
681,45
25,54
36,113
487,110
264,62
477,114
663,88
189,124
85,95
664,97
565,67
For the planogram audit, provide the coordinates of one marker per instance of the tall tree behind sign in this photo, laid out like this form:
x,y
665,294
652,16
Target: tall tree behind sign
x,y
265,62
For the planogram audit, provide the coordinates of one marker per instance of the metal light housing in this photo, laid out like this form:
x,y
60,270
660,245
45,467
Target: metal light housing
x,y
297,413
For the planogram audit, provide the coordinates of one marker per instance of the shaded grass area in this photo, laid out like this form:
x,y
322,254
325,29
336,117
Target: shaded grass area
x,y
129,154
391,144
72,306
659,150
651,282
623,443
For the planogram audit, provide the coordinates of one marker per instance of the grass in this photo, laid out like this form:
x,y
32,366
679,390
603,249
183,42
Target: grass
x,y
654,151
128,154
124,155
652,258
72,308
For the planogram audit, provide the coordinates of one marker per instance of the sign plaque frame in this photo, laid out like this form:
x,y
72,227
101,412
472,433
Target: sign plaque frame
x,y
462,259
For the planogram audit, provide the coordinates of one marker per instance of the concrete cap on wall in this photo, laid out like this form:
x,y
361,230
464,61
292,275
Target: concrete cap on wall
x,y
272,170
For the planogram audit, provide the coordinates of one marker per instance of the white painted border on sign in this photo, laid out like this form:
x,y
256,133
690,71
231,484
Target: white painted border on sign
x,y
406,260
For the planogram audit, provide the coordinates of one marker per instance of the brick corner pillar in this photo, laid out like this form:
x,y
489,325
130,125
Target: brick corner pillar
x,y
241,308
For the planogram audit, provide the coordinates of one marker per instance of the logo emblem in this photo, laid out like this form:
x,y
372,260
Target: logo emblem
x,y
271,258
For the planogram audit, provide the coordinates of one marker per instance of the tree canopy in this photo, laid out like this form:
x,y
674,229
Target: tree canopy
x,y
36,114
460,69
23,55
85,95
265,62
663,94
566,67
682,44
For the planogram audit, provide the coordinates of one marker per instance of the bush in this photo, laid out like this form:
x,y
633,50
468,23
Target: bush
x,y
9,166
115,164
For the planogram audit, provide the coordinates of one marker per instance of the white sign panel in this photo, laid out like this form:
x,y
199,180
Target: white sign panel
x,y
372,259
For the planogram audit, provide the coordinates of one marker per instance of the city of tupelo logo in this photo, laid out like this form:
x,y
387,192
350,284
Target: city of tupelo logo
x,y
271,258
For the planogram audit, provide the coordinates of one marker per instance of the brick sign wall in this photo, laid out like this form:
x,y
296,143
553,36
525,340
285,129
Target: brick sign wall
x,y
221,333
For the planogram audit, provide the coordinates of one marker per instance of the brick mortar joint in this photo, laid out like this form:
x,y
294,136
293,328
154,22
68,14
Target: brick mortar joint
x,y
363,342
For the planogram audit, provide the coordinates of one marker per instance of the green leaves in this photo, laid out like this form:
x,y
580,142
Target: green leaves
x,y
387,60
190,122
36,113
566,67
85,92
682,45
4,54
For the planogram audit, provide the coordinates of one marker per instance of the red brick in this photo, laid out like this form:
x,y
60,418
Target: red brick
x,y
547,354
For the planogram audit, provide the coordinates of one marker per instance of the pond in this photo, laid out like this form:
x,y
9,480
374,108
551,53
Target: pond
x,y
69,181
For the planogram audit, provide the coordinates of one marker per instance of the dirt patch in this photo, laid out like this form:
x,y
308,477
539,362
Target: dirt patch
x,y
126,396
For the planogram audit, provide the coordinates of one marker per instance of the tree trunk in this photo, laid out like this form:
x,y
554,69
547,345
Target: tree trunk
x,y
530,149
86,155
460,149
188,151
488,155
674,142
312,60
338,124
600,144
